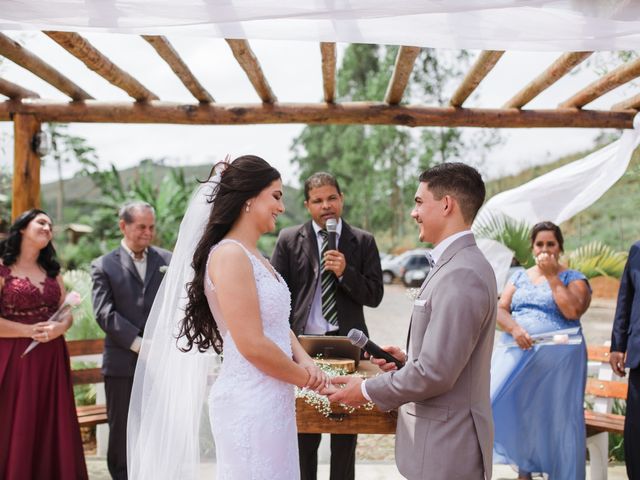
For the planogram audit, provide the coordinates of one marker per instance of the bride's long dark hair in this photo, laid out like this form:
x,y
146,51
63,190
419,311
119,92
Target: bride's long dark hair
x,y
241,180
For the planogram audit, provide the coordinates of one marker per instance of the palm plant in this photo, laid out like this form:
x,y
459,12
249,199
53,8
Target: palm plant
x,y
512,233
597,259
84,321
84,327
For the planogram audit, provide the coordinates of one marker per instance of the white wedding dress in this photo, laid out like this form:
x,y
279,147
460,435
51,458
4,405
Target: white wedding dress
x,y
253,415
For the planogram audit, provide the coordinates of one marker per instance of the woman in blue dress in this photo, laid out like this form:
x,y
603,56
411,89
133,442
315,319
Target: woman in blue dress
x,y
537,388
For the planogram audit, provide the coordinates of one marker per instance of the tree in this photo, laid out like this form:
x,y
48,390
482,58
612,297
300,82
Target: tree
x,y
377,165
68,148
169,198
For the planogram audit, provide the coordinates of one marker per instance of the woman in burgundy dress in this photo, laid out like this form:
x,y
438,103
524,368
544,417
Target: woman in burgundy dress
x,y
39,432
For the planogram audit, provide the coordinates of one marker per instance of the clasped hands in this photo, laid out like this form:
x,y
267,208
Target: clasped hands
x,y
348,390
44,332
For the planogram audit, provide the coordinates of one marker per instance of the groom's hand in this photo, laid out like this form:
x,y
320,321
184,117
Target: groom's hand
x,y
350,394
395,352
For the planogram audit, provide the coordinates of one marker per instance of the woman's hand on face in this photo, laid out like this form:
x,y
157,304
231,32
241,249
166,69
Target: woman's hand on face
x,y
44,332
548,264
522,337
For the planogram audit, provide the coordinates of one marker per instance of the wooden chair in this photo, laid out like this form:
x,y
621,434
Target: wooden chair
x,y
599,420
88,415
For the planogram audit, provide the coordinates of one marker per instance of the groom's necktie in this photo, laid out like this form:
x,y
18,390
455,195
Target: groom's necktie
x,y
429,259
328,285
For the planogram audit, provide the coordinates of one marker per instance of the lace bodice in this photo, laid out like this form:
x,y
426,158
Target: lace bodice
x,y
274,299
22,301
533,306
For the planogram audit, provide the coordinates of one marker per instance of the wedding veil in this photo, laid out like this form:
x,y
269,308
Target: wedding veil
x,y
169,386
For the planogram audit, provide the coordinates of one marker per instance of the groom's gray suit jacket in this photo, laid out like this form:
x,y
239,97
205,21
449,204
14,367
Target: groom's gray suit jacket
x,y
445,426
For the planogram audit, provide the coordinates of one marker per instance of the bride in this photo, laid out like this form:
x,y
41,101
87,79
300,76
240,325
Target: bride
x,y
221,295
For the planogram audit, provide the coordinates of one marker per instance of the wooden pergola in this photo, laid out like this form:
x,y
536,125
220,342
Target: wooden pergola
x,y
27,110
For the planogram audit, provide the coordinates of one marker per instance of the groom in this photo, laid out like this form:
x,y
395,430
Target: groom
x,y
445,427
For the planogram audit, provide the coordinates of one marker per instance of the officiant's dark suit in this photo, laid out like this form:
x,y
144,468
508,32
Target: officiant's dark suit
x,y
625,349
122,299
356,264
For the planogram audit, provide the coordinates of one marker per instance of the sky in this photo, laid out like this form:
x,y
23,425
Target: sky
x,y
294,72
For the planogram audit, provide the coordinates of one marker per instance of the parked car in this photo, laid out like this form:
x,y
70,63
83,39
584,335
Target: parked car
x,y
415,269
392,267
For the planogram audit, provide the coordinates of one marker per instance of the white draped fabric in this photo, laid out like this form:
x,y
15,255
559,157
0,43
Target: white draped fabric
x,y
566,191
533,25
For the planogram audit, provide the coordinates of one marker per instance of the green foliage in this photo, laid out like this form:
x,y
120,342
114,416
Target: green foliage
x,y
5,202
79,255
597,259
67,148
616,441
84,322
509,232
169,197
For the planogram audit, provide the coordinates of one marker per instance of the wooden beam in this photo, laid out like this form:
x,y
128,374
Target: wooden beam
x,y
632,103
401,73
371,113
80,48
606,83
19,55
558,69
26,165
15,92
483,65
249,63
328,51
182,71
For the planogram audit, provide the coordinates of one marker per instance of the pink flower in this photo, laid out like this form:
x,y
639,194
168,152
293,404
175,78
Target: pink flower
x,y
73,299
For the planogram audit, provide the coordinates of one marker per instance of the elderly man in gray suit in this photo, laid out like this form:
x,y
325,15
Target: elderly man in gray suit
x,y
445,428
125,283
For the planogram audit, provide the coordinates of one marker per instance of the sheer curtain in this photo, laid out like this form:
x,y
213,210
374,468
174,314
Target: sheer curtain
x,y
534,25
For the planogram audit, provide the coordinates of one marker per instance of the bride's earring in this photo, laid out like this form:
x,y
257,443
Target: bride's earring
x,y
246,209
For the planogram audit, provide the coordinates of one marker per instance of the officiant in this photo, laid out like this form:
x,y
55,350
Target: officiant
x,y
125,283
328,291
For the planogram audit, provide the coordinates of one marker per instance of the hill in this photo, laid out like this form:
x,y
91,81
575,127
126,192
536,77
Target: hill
x,y
613,219
80,188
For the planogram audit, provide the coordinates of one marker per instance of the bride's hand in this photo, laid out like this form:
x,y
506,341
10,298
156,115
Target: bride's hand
x,y
317,378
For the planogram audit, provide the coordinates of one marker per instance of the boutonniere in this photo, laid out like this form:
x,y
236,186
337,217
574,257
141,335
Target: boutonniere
x,y
163,268
412,293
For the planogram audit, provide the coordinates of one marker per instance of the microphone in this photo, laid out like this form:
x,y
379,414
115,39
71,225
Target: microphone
x,y
359,339
332,228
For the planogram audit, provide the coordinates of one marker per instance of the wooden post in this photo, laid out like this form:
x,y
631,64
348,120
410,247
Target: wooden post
x,y
26,165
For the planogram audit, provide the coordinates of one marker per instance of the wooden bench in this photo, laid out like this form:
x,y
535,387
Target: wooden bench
x,y
599,420
88,415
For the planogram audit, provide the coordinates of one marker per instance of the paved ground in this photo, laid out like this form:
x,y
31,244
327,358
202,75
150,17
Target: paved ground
x,y
364,471
388,325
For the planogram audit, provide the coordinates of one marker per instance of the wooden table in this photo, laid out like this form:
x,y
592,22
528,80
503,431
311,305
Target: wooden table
x,y
341,420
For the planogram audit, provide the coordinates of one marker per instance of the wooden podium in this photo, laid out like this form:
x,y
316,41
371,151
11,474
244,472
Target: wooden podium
x,y
340,420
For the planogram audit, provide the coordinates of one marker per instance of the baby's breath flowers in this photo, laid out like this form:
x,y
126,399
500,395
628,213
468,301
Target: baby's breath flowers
x,y
320,402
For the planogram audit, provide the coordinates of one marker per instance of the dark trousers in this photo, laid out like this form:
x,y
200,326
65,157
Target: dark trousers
x,y
632,426
343,456
118,392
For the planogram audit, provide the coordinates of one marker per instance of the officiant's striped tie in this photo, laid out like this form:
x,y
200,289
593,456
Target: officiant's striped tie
x,y
328,282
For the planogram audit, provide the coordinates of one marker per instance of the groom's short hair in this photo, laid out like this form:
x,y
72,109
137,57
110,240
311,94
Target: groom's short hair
x,y
461,181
